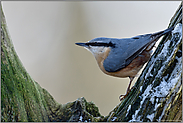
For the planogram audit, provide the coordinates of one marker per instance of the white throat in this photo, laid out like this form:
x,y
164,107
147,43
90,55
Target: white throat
x,y
97,51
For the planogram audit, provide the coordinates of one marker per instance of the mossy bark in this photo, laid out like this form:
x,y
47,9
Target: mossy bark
x,y
23,100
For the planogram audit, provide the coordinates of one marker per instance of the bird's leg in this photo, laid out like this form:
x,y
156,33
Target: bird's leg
x,y
128,89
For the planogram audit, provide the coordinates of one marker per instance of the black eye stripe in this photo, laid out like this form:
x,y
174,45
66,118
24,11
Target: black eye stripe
x,y
135,38
110,44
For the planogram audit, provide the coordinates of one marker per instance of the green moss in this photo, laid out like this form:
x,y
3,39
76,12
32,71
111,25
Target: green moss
x,y
20,99
23,100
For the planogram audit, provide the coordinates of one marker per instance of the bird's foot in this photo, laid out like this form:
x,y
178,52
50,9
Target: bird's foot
x,y
124,95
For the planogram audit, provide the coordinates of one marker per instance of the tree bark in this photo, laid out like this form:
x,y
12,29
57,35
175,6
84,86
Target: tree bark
x,y
157,95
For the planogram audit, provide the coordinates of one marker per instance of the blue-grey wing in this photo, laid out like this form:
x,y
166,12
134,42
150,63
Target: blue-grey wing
x,y
128,49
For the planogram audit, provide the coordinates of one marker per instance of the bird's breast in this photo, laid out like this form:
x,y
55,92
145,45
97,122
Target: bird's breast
x,y
129,71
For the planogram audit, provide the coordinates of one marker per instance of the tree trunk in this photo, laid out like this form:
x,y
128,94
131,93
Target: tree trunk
x,y
157,95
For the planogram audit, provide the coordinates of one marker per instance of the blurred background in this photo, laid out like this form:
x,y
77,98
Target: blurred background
x,y
44,36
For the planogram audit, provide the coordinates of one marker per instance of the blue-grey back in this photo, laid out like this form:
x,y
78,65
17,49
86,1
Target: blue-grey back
x,y
125,51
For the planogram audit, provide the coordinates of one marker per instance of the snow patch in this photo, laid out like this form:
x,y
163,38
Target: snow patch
x,y
80,118
150,117
177,29
140,88
113,119
166,85
164,50
129,107
150,68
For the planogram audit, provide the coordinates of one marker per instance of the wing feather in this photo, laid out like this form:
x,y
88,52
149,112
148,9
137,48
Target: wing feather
x,y
128,49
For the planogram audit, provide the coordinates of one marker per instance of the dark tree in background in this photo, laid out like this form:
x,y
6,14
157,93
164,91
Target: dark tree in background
x,y
157,95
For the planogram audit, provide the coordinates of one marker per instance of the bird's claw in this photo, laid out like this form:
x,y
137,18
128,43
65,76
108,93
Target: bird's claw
x,y
124,95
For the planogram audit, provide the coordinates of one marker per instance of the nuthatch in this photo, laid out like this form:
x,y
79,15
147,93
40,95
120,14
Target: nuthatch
x,y
123,57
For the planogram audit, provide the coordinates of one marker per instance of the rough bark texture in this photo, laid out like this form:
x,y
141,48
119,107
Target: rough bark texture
x,y
157,95
22,99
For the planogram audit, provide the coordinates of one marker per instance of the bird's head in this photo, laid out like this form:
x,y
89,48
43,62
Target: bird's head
x,y
98,46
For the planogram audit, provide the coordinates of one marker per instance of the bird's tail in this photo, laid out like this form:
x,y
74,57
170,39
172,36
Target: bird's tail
x,y
159,34
156,36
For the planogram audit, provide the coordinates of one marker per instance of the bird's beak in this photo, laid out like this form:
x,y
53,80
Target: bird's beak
x,y
81,44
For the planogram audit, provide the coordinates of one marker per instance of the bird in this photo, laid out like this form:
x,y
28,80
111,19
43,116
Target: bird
x,y
123,57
